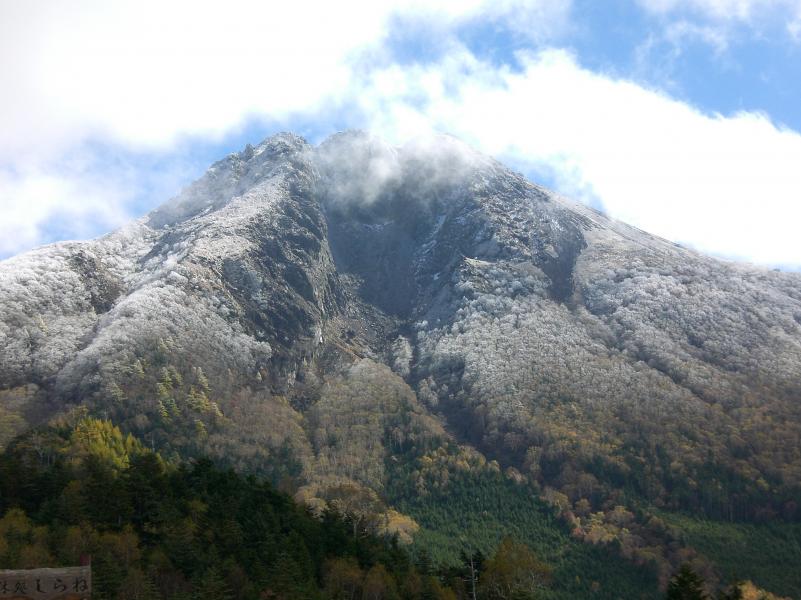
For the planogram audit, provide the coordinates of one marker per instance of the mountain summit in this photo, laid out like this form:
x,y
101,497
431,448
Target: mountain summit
x,y
357,316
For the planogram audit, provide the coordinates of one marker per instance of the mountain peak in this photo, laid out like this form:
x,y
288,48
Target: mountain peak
x,y
429,301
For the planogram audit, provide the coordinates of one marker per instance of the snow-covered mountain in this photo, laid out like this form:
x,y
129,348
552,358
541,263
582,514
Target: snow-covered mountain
x,y
315,311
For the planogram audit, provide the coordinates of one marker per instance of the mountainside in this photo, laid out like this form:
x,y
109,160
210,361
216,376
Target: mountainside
x,y
379,324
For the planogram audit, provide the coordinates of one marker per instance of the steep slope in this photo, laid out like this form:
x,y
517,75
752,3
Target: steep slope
x,y
358,320
531,318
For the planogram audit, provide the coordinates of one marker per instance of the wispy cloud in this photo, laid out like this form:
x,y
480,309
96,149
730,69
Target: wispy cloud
x,y
679,32
755,14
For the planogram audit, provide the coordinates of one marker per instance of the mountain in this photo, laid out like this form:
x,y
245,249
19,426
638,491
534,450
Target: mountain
x,y
399,327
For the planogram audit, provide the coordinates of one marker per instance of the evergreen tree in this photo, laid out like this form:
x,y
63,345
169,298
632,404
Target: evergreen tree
x,y
212,586
686,585
423,562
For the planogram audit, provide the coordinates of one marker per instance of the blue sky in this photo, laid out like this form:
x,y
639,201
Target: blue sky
x,y
678,116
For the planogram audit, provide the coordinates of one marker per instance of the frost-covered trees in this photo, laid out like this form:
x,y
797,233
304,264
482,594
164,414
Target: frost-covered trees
x,y
649,373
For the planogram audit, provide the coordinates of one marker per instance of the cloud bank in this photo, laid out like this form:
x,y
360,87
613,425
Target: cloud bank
x,y
145,79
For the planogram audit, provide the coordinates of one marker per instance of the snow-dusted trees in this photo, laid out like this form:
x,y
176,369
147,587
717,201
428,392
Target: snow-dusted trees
x,y
647,376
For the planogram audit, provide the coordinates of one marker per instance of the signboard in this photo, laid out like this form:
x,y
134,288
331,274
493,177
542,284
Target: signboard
x,y
70,583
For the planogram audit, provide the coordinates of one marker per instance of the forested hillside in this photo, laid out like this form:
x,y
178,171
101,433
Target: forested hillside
x,y
82,490
157,530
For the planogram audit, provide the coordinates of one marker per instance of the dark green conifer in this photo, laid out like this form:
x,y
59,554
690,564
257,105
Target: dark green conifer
x,y
686,585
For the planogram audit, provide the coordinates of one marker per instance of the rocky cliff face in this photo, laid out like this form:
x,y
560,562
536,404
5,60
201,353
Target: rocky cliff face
x,y
313,311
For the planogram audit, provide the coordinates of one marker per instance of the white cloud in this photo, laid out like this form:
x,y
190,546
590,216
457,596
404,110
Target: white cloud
x,y
145,73
80,195
142,76
76,203
726,185
139,76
